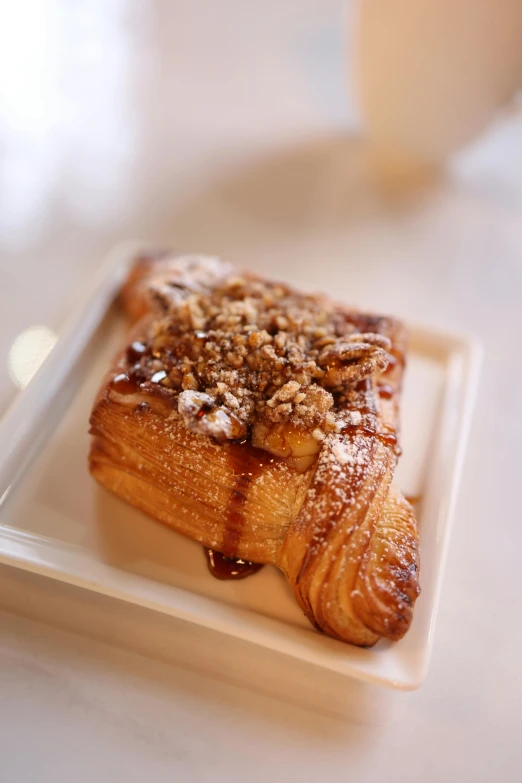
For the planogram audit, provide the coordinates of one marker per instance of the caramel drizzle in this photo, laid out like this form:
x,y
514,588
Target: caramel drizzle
x,y
388,437
235,514
247,463
385,391
223,567
122,384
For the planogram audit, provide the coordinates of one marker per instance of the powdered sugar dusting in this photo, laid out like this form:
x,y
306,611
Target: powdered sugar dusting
x,y
343,453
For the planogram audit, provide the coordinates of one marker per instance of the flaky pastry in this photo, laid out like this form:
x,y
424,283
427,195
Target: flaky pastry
x,y
262,423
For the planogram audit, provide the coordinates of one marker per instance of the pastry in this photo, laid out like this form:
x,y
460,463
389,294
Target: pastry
x,y
262,423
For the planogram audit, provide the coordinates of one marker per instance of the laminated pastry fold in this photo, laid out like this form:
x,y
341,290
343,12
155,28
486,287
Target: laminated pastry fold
x,y
262,423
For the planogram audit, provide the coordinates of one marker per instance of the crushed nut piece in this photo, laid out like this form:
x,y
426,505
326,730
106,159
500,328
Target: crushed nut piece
x,y
202,416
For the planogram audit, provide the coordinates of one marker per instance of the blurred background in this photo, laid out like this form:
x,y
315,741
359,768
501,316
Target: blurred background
x,y
369,149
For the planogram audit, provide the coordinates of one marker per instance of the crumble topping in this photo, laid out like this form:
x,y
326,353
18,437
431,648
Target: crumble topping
x,y
237,350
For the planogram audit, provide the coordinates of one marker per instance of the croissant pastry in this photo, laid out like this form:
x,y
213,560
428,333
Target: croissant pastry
x,y
262,423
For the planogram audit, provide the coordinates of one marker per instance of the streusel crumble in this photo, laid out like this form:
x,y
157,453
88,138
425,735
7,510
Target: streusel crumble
x,y
236,350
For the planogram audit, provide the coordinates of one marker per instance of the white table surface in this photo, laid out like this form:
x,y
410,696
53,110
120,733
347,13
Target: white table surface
x,y
228,127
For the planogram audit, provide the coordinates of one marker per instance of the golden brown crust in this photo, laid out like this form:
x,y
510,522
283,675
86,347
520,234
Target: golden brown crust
x,y
351,555
186,481
134,294
317,501
387,584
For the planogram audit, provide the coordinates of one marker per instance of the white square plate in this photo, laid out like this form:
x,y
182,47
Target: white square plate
x,y
55,520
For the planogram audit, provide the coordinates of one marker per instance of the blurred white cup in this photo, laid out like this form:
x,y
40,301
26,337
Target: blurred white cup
x,y
431,74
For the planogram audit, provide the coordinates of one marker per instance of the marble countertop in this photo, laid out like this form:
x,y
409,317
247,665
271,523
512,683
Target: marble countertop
x,y
142,120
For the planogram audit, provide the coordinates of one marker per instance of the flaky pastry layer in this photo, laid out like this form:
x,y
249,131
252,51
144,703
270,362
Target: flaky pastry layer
x,y
296,473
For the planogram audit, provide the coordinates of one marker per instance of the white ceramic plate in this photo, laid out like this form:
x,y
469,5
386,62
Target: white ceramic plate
x,y
55,520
